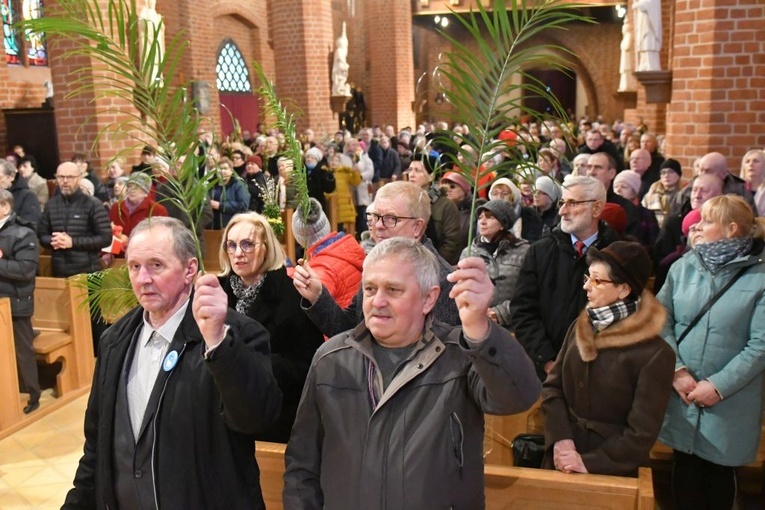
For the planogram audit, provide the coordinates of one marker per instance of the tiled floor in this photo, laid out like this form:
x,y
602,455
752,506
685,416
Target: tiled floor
x,y
37,463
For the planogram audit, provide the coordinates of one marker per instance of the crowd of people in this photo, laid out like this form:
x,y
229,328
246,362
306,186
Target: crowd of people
x,y
398,330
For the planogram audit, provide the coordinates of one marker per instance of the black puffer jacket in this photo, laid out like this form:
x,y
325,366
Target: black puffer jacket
x,y
25,202
86,221
549,293
19,254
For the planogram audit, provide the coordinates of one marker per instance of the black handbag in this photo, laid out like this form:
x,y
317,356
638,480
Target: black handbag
x,y
528,450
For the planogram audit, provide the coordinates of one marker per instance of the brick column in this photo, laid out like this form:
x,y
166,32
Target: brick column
x,y
718,80
303,48
391,66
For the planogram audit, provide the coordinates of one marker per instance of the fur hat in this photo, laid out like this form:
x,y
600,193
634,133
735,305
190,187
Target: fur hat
x,y
458,180
630,178
315,228
141,180
549,187
315,153
510,184
629,263
673,165
502,210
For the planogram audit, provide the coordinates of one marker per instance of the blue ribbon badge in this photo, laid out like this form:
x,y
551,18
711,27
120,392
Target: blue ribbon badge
x,y
170,360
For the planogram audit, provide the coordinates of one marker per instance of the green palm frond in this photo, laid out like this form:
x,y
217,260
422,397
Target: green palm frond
x,y
487,80
108,291
285,122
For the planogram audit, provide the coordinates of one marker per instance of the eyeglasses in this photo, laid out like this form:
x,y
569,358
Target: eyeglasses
x,y
451,185
245,245
572,203
666,171
67,177
388,220
596,282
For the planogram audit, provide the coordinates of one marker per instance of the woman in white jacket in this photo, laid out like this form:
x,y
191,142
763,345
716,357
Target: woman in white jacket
x,y
366,168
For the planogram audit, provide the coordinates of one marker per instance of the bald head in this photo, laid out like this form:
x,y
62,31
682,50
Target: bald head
x,y
68,177
714,163
640,160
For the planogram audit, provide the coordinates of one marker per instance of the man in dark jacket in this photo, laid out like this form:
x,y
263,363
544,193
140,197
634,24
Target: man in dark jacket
x,y
25,202
594,143
549,293
392,411
180,387
74,225
19,254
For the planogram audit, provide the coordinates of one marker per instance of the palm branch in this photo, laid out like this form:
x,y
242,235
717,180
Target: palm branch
x,y
478,78
128,67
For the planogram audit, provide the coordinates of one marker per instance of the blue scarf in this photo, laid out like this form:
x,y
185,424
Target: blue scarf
x,y
718,253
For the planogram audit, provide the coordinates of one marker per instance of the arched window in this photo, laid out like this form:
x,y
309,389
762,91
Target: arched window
x,y
27,48
232,72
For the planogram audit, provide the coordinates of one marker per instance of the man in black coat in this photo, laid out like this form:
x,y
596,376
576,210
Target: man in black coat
x,y
603,167
25,202
74,225
594,143
549,293
181,386
19,254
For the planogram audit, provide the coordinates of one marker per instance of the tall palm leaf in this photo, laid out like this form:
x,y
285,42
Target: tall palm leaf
x,y
478,77
127,66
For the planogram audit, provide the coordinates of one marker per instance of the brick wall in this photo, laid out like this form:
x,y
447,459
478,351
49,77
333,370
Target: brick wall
x,y
718,80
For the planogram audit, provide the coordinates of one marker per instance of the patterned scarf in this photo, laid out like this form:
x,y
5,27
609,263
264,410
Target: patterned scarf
x,y
717,254
245,295
601,318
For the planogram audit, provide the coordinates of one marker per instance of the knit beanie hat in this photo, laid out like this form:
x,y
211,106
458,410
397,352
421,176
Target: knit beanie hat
x,y
630,178
629,262
315,227
502,210
140,180
614,215
315,153
690,220
549,187
255,159
673,165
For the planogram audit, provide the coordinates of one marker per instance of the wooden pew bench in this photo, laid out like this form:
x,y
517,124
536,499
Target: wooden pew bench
x,y
507,487
10,410
63,319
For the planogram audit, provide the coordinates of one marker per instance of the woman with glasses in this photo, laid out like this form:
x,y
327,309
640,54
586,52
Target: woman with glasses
x,y
662,194
714,417
529,224
606,394
256,282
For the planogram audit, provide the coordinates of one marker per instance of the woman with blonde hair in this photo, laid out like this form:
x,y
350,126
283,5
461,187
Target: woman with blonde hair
x,y
257,285
753,173
716,326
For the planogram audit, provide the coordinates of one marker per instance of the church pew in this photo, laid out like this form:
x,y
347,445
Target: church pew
x,y
63,319
288,239
212,240
507,487
10,410
501,430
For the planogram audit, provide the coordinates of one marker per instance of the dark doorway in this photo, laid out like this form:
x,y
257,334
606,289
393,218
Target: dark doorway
x,y
561,84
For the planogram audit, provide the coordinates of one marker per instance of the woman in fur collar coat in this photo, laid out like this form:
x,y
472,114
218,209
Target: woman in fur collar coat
x,y
605,398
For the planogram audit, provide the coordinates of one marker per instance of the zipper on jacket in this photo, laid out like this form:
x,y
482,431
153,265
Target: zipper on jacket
x,y
455,428
154,429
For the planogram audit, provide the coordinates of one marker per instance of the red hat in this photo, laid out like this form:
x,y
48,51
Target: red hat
x,y
690,220
615,216
509,137
255,159
458,180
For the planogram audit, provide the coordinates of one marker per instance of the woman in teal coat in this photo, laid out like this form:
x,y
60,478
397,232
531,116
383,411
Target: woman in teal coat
x,y
714,416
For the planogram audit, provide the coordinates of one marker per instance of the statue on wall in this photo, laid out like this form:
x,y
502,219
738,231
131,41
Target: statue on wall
x,y
648,34
627,59
150,26
340,86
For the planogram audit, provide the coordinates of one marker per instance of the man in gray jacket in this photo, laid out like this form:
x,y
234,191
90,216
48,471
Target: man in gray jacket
x,y
392,411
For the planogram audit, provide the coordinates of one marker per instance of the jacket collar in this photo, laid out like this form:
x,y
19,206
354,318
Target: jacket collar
x,y
642,326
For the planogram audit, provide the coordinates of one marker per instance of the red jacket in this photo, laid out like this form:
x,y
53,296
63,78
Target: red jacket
x,y
119,215
338,259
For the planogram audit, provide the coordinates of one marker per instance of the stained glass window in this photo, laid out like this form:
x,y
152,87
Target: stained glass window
x,y
27,47
233,75
34,42
10,40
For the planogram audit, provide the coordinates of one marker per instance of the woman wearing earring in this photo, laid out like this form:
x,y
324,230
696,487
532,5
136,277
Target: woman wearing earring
x,y
257,285
717,330
605,397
